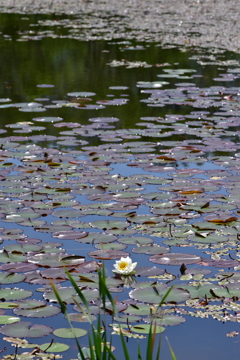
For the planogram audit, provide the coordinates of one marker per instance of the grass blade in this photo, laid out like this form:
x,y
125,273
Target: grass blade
x,y
171,350
78,291
164,297
124,346
139,353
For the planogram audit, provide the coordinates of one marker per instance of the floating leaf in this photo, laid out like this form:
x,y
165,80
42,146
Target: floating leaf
x,y
151,250
175,259
108,254
24,329
50,119
136,240
6,319
81,317
81,94
165,320
154,294
141,328
7,294
38,312
148,271
54,347
109,224
70,333
11,278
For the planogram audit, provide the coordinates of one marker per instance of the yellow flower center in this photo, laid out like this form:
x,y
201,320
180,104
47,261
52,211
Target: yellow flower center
x,y
123,265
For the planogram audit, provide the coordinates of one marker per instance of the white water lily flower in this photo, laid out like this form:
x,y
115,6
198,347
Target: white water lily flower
x,y
124,266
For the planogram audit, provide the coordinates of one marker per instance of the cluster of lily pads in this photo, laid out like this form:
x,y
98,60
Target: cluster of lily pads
x,y
166,190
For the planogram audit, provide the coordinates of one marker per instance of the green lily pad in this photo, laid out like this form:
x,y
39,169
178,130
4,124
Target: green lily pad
x,y
7,294
125,318
38,312
139,309
136,240
11,278
8,257
8,305
68,213
22,248
24,329
143,328
81,317
121,232
151,249
69,333
199,292
6,319
165,320
110,246
226,292
97,238
154,295
175,242
67,294
209,239
108,254
109,224
54,348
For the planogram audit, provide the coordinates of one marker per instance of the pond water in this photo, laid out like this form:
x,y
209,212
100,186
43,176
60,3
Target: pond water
x,y
116,148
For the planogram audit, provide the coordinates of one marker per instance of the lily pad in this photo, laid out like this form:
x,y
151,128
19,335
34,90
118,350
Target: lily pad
x,y
38,312
136,240
54,347
69,333
11,278
7,294
108,254
154,295
165,320
6,319
24,329
81,94
151,250
175,259
143,328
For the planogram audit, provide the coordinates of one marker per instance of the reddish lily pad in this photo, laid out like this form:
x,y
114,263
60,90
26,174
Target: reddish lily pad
x,y
148,271
18,267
